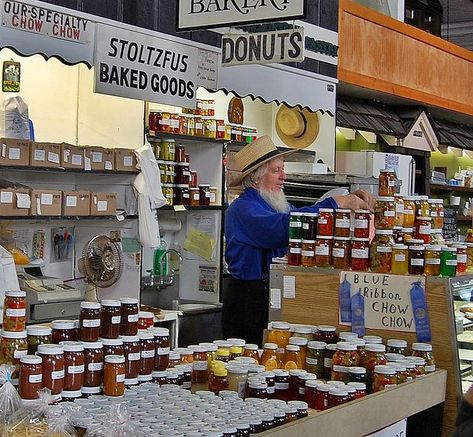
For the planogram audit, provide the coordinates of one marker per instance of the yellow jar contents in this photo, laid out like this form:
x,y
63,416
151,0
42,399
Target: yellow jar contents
x,y
399,217
292,358
270,359
400,259
381,251
432,260
409,211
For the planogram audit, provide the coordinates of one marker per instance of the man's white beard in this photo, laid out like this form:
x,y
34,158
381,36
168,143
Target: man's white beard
x,y
275,199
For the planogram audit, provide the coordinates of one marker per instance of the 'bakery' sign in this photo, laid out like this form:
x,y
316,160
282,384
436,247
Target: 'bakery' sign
x,y
205,14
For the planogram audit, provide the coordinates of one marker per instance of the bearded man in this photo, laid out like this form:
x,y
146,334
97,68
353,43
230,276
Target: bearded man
x,y
256,230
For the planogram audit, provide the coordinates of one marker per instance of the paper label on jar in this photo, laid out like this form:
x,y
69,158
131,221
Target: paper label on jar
x,y
241,388
441,214
200,365
148,354
388,386
134,356
301,390
35,378
430,368
389,213
296,224
57,374
308,253
19,312
384,249
342,223
432,261
18,354
409,211
196,196
115,320
53,157
433,213
163,351
294,250
39,155
451,262
399,208
342,369
361,224
121,378
94,367
91,323
186,385
75,369
221,128
133,318
281,385
338,253
212,197
360,253
305,226
322,221
328,362
399,257
417,262
271,390
425,229
198,126
174,124
462,258
322,250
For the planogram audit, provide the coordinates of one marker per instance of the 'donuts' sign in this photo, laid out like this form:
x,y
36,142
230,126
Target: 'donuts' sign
x,y
195,14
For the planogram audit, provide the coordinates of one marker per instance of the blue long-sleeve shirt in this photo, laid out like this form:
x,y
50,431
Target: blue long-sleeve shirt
x,y
252,225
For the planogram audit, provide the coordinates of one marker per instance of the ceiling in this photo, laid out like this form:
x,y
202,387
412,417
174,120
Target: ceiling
x,y
457,24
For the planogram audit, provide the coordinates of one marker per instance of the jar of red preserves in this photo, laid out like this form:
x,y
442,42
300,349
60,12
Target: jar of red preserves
x,y
326,333
148,352
112,346
53,368
362,223
132,354
14,311
63,330
342,222
323,251
73,365
325,222
384,377
322,397
161,337
341,253
386,182
423,228
360,254
110,318
93,363
129,316
31,376
145,320
90,319
294,252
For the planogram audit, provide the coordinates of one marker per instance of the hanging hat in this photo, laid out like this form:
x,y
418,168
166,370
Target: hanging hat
x,y
296,127
252,156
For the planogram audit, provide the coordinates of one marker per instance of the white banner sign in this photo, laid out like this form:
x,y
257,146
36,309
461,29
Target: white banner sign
x,y
140,66
263,47
195,14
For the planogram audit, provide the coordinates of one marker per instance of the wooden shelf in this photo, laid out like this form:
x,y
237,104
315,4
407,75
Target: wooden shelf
x,y
195,208
192,138
59,217
450,188
61,170
464,218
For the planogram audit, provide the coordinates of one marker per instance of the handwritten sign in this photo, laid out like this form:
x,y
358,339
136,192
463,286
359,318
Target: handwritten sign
x,y
450,223
387,299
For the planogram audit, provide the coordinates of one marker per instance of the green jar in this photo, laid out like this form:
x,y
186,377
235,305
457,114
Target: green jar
x,y
295,226
357,374
315,358
448,261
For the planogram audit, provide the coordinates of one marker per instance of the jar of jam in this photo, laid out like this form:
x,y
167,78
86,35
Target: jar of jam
x,y
337,396
161,338
90,318
304,378
396,346
112,346
399,217
310,394
174,359
220,129
53,367
416,260
200,371
357,374
270,359
432,260
386,182
360,254
281,384
322,397
308,253
251,351
309,226
400,264
73,365
181,194
424,350
199,126
448,261
326,333
36,335
110,326
114,375
296,225
384,377
362,223
341,253
257,389
323,251
342,222
14,311
12,347
93,363
129,316
31,376
462,258
204,194
325,222
179,153
315,358
292,357
194,196
145,320
384,213
294,252
148,352
381,251
423,229
132,354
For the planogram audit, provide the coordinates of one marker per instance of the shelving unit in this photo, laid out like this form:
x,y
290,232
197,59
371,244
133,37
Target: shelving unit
x,y
440,187
61,170
194,208
57,218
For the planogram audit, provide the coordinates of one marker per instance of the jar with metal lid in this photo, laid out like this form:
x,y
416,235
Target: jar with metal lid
x,y
360,389
163,121
308,253
325,222
198,126
213,196
237,377
30,376
182,173
168,192
12,347
53,367
462,258
382,251
397,235
303,379
110,326
181,194
401,372
448,261
407,234
386,182
399,217
187,381
281,384
257,389
357,374
309,226
145,320
384,377
132,354
190,124
396,346
223,355
114,375
220,129
322,397
341,253
36,335
112,346
162,171
469,252
292,357
409,211
14,311
251,351
270,359
73,365
310,394
148,352
93,363
375,355
294,252
362,223
210,127
179,154
323,251
432,260
174,123
424,350
342,222
129,316
170,172
296,225
384,213
194,196
315,358
329,352
174,359
423,228
152,123
337,396
422,206
342,359
167,149
90,319
326,333
204,194
416,259
360,254
400,263
200,370
161,337
437,213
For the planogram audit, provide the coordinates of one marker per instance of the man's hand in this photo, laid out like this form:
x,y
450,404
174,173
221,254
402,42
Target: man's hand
x,y
358,200
367,197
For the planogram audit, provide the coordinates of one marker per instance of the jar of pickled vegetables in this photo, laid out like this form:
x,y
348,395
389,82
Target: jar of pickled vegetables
x,y
14,311
469,261
462,258
386,182
436,237
314,362
400,261
437,213
423,228
342,222
396,346
384,212
360,252
381,251
323,250
399,217
341,253
13,346
36,335
294,252
409,211
432,260
424,350
397,235
362,223
375,355
422,206
357,374
384,377
416,260
308,253
345,356
407,234
448,261
325,222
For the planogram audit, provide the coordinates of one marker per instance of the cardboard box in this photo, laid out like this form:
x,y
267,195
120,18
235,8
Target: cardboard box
x,y
75,203
125,160
45,155
109,158
46,202
94,158
72,156
14,151
103,203
15,202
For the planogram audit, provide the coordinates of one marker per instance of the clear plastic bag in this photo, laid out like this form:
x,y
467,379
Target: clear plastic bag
x,y
10,401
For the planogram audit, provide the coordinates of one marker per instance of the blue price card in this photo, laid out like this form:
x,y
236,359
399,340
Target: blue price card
x,y
421,313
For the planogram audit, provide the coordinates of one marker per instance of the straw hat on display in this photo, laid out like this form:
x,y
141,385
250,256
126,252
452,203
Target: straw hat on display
x,y
297,128
252,156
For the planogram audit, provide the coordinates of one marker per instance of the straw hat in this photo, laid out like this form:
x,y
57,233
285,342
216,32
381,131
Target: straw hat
x,y
252,156
296,127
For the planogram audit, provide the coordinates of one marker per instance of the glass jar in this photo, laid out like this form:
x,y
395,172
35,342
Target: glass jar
x,y
90,319
437,213
110,326
129,316
407,234
422,206
384,377
132,354
310,394
327,334
315,358
200,370
342,222
167,150
382,251
462,258
360,254
448,261
329,352
423,228
114,375
181,194
346,356
93,363
292,358
309,226
145,320
163,121
360,389
386,182
432,260
336,397
204,194
325,222
362,223
213,196
220,129
162,171
270,359
295,225
237,378
168,193
194,196
281,384
183,174
384,213
148,352
161,337
399,217
416,260
469,252
30,376
13,346
341,253
199,126
170,171
308,253
396,346
53,367
190,124
179,153
36,335
398,235
112,346
357,374
73,365
400,264
322,397
424,350
14,311
294,252
374,356
401,372
257,389
323,250
409,211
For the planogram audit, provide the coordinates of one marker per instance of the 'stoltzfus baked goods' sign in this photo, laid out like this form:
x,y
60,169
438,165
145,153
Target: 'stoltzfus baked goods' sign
x,y
195,14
